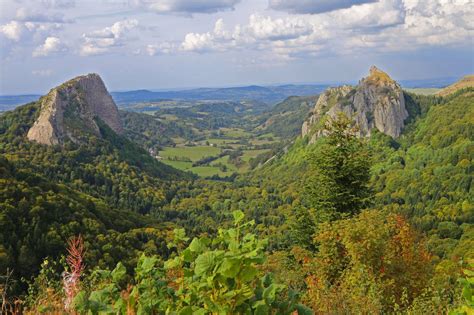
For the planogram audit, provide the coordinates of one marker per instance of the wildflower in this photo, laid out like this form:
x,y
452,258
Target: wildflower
x,y
75,261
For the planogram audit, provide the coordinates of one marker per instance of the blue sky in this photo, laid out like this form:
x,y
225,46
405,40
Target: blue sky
x,y
161,44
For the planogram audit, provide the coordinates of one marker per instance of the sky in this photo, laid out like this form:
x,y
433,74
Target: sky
x,y
164,44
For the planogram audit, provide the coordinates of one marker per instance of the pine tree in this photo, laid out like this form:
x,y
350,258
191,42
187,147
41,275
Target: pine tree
x,y
338,185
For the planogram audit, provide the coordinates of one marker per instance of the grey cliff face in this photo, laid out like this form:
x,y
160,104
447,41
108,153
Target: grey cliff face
x,y
71,108
376,102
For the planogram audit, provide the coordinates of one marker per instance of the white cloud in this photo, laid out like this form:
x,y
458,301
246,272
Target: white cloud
x,y
91,50
277,29
426,23
258,31
162,48
99,41
29,27
13,30
117,30
42,73
385,13
27,15
187,6
199,42
312,6
58,4
51,45
386,25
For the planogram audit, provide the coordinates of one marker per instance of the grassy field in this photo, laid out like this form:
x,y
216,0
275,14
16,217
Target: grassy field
x,y
209,145
235,133
251,154
424,91
193,153
207,171
203,171
225,161
180,165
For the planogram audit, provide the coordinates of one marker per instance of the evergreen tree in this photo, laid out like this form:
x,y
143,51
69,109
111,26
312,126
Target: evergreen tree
x,y
337,185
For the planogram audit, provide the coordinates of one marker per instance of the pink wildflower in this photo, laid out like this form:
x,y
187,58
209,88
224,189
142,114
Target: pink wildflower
x,y
71,278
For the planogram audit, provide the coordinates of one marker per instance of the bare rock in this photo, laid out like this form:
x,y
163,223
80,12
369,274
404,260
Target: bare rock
x,y
376,102
71,110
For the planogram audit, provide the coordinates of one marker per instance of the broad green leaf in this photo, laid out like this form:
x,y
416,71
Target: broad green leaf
x,y
172,263
187,255
303,310
467,293
270,292
261,308
238,216
188,310
80,302
230,267
180,235
248,273
148,263
204,262
200,311
118,274
197,246
233,245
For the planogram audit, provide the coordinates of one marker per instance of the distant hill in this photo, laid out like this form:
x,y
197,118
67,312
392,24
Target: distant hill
x,y
423,91
8,102
465,82
267,94
285,118
427,83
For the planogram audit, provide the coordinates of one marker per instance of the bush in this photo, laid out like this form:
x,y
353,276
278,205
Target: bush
x,y
208,276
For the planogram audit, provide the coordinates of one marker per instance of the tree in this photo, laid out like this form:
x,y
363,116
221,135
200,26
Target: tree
x,y
338,183
369,264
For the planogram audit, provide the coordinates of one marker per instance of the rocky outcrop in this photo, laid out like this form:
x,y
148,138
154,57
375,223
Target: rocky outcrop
x,y
71,110
376,102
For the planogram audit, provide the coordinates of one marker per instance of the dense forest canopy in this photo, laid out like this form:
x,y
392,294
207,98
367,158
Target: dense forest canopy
x,y
344,224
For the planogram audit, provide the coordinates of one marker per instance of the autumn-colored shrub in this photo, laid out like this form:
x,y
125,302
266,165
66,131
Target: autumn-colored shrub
x,y
371,263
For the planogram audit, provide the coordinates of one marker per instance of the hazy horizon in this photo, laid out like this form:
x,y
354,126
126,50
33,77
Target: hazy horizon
x,y
176,44
405,83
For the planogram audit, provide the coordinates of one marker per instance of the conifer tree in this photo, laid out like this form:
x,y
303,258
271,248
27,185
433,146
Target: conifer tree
x,y
337,185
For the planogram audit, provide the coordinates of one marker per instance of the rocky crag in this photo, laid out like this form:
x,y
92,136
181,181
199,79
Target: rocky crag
x,y
377,102
73,109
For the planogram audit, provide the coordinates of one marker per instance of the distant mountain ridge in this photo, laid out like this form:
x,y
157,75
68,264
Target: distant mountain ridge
x,y
267,94
274,93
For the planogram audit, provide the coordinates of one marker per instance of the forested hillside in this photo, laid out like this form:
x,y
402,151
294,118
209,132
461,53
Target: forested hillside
x,y
342,225
101,189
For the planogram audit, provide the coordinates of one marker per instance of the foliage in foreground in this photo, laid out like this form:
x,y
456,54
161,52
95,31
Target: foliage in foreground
x,y
467,307
218,276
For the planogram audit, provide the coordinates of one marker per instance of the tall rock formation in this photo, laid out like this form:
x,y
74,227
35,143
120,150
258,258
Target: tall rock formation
x,y
71,110
376,102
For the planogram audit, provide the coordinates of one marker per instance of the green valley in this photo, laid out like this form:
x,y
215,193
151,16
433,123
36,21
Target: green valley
x,y
198,209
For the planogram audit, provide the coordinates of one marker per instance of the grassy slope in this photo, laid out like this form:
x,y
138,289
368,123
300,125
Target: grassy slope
x,y
465,82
